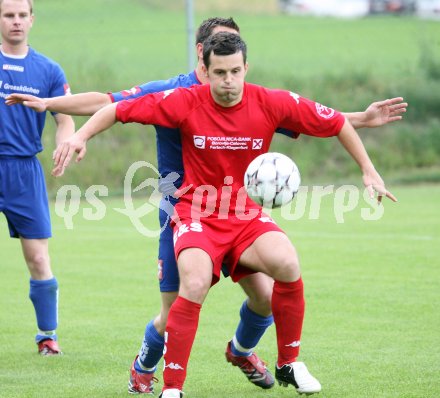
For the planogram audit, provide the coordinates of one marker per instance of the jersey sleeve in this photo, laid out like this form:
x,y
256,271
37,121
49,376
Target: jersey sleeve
x,y
303,116
139,91
166,109
59,85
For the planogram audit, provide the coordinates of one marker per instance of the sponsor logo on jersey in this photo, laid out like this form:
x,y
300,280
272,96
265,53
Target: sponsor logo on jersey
x,y
294,344
257,143
295,96
20,88
15,68
133,91
1,83
324,111
229,143
199,141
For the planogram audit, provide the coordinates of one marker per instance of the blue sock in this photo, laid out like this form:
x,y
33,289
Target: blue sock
x,y
151,350
44,296
249,331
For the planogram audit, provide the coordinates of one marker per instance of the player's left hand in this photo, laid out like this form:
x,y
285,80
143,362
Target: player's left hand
x,y
375,185
383,112
62,156
31,101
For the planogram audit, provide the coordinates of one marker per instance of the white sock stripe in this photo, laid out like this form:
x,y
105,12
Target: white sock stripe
x,y
46,332
149,370
240,348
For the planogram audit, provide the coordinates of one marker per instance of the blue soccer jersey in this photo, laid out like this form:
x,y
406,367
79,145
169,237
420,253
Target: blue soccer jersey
x,y
21,127
168,142
23,196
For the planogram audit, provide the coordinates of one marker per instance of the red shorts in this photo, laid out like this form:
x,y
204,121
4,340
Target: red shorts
x,y
223,239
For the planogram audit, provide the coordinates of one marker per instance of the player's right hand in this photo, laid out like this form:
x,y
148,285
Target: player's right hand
x,y
35,103
65,151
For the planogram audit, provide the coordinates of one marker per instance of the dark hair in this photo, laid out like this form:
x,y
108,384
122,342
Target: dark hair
x,y
208,25
223,43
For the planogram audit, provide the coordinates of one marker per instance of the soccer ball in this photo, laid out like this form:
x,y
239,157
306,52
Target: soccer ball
x,y
272,180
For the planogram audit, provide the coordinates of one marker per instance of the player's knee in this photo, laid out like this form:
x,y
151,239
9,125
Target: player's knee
x,y
39,265
286,269
195,289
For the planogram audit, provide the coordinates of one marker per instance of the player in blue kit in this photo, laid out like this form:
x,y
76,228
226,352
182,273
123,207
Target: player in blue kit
x,y
23,196
255,312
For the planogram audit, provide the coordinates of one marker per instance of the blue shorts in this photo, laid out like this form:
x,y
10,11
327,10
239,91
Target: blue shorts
x,y
23,197
167,266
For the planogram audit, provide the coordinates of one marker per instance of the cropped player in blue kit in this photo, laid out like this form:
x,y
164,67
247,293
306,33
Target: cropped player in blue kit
x,y
255,313
23,196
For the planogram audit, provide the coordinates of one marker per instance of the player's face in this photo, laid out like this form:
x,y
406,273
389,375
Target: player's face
x,y
226,75
15,21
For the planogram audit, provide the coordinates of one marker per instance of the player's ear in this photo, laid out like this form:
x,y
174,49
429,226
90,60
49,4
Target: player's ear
x,y
199,50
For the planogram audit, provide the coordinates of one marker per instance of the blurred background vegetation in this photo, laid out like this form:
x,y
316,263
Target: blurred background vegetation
x,y
110,45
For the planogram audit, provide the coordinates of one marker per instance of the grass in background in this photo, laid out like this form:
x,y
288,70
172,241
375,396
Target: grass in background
x,y
371,327
108,45
122,44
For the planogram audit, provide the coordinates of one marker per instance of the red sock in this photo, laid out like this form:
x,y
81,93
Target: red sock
x,y
288,313
180,332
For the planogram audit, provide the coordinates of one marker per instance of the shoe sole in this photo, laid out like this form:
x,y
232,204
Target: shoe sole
x,y
286,384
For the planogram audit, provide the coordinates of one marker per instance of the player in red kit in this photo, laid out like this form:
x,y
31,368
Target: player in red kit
x,y
224,126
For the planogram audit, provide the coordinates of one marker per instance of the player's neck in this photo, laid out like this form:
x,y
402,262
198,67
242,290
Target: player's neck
x,y
14,49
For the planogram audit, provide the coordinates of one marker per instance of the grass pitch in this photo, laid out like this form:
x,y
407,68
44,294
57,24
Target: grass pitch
x,y
371,328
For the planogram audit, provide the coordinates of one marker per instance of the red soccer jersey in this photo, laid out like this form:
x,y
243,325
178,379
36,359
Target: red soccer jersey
x,y
218,143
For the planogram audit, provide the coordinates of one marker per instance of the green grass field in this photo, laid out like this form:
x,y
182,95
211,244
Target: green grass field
x,y
126,43
372,326
109,45
371,329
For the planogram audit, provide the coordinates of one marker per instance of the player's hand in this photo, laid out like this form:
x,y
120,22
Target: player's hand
x,y
375,185
383,112
35,103
65,151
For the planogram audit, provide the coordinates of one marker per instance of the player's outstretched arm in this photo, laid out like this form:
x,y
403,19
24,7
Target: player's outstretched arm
x,y
83,104
371,178
100,121
378,113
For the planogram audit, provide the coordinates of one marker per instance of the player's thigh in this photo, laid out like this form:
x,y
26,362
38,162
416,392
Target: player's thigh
x,y
273,254
168,273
